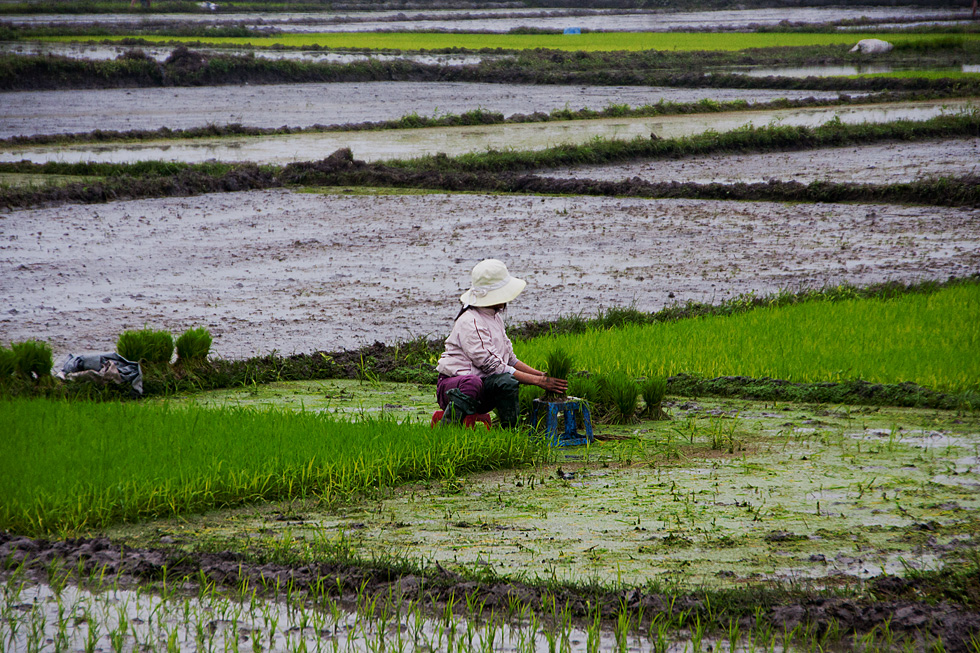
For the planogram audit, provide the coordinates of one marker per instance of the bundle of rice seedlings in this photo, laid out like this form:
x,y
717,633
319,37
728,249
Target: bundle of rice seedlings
x,y
585,388
619,397
194,345
653,391
558,365
32,359
146,346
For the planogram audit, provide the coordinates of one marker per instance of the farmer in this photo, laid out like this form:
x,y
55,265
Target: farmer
x,y
479,371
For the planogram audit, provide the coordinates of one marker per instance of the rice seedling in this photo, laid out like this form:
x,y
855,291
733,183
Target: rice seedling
x,y
193,345
32,359
558,365
63,471
653,390
585,387
620,394
911,338
146,345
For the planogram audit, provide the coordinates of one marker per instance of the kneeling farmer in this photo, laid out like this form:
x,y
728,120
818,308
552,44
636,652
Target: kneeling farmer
x,y
479,371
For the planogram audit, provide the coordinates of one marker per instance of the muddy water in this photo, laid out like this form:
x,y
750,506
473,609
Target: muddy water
x,y
503,20
303,105
105,52
841,70
889,163
410,143
132,620
300,272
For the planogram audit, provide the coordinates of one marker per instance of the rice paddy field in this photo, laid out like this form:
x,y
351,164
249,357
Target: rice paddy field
x,y
792,257
590,42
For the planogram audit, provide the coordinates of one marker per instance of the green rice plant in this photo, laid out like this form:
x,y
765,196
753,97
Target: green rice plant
x,y
559,364
194,345
32,359
930,340
586,388
527,395
146,345
62,471
620,393
653,390
591,42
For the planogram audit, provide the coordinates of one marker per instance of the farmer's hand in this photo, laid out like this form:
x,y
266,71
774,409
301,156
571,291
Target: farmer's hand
x,y
551,384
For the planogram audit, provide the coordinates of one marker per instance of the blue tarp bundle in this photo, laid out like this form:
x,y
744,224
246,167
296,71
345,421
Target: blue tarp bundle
x,y
573,30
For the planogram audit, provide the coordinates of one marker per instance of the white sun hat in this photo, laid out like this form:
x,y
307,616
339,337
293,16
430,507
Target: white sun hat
x,y
492,285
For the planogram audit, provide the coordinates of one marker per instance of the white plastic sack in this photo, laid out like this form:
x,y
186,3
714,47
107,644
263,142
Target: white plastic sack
x,y
872,46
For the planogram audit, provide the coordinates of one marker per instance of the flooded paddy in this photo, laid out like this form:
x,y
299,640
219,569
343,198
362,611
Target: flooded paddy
x,y
302,105
504,20
888,163
297,272
99,52
453,141
724,494
117,619
844,70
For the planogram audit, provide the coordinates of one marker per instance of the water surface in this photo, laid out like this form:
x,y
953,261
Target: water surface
x,y
453,141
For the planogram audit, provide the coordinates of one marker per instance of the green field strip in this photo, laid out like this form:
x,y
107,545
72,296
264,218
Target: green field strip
x,y
590,42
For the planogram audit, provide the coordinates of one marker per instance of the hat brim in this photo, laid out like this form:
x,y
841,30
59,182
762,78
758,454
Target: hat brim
x,y
499,296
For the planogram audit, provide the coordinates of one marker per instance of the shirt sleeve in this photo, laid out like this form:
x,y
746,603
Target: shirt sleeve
x,y
477,343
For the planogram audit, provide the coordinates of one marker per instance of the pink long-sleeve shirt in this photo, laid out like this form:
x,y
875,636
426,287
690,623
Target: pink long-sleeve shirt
x,y
478,345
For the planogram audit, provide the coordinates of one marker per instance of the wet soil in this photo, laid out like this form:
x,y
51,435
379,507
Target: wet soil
x,y
889,163
303,105
299,272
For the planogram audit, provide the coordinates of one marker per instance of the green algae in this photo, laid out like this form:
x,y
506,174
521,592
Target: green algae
x,y
725,494
341,396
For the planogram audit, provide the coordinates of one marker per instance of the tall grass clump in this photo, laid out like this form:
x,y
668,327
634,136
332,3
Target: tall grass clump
x,y
32,359
62,471
194,345
146,345
927,339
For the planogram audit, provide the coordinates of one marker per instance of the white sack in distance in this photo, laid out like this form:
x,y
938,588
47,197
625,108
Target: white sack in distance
x,y
872,46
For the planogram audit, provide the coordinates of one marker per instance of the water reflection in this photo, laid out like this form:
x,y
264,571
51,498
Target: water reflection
x,y
409,143
845,70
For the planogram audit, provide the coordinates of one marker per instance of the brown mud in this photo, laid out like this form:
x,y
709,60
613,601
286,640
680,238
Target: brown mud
x,y
895,607
300,272
887,163
30,113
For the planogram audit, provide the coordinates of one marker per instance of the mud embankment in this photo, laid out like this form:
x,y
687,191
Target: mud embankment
x,y
894,608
